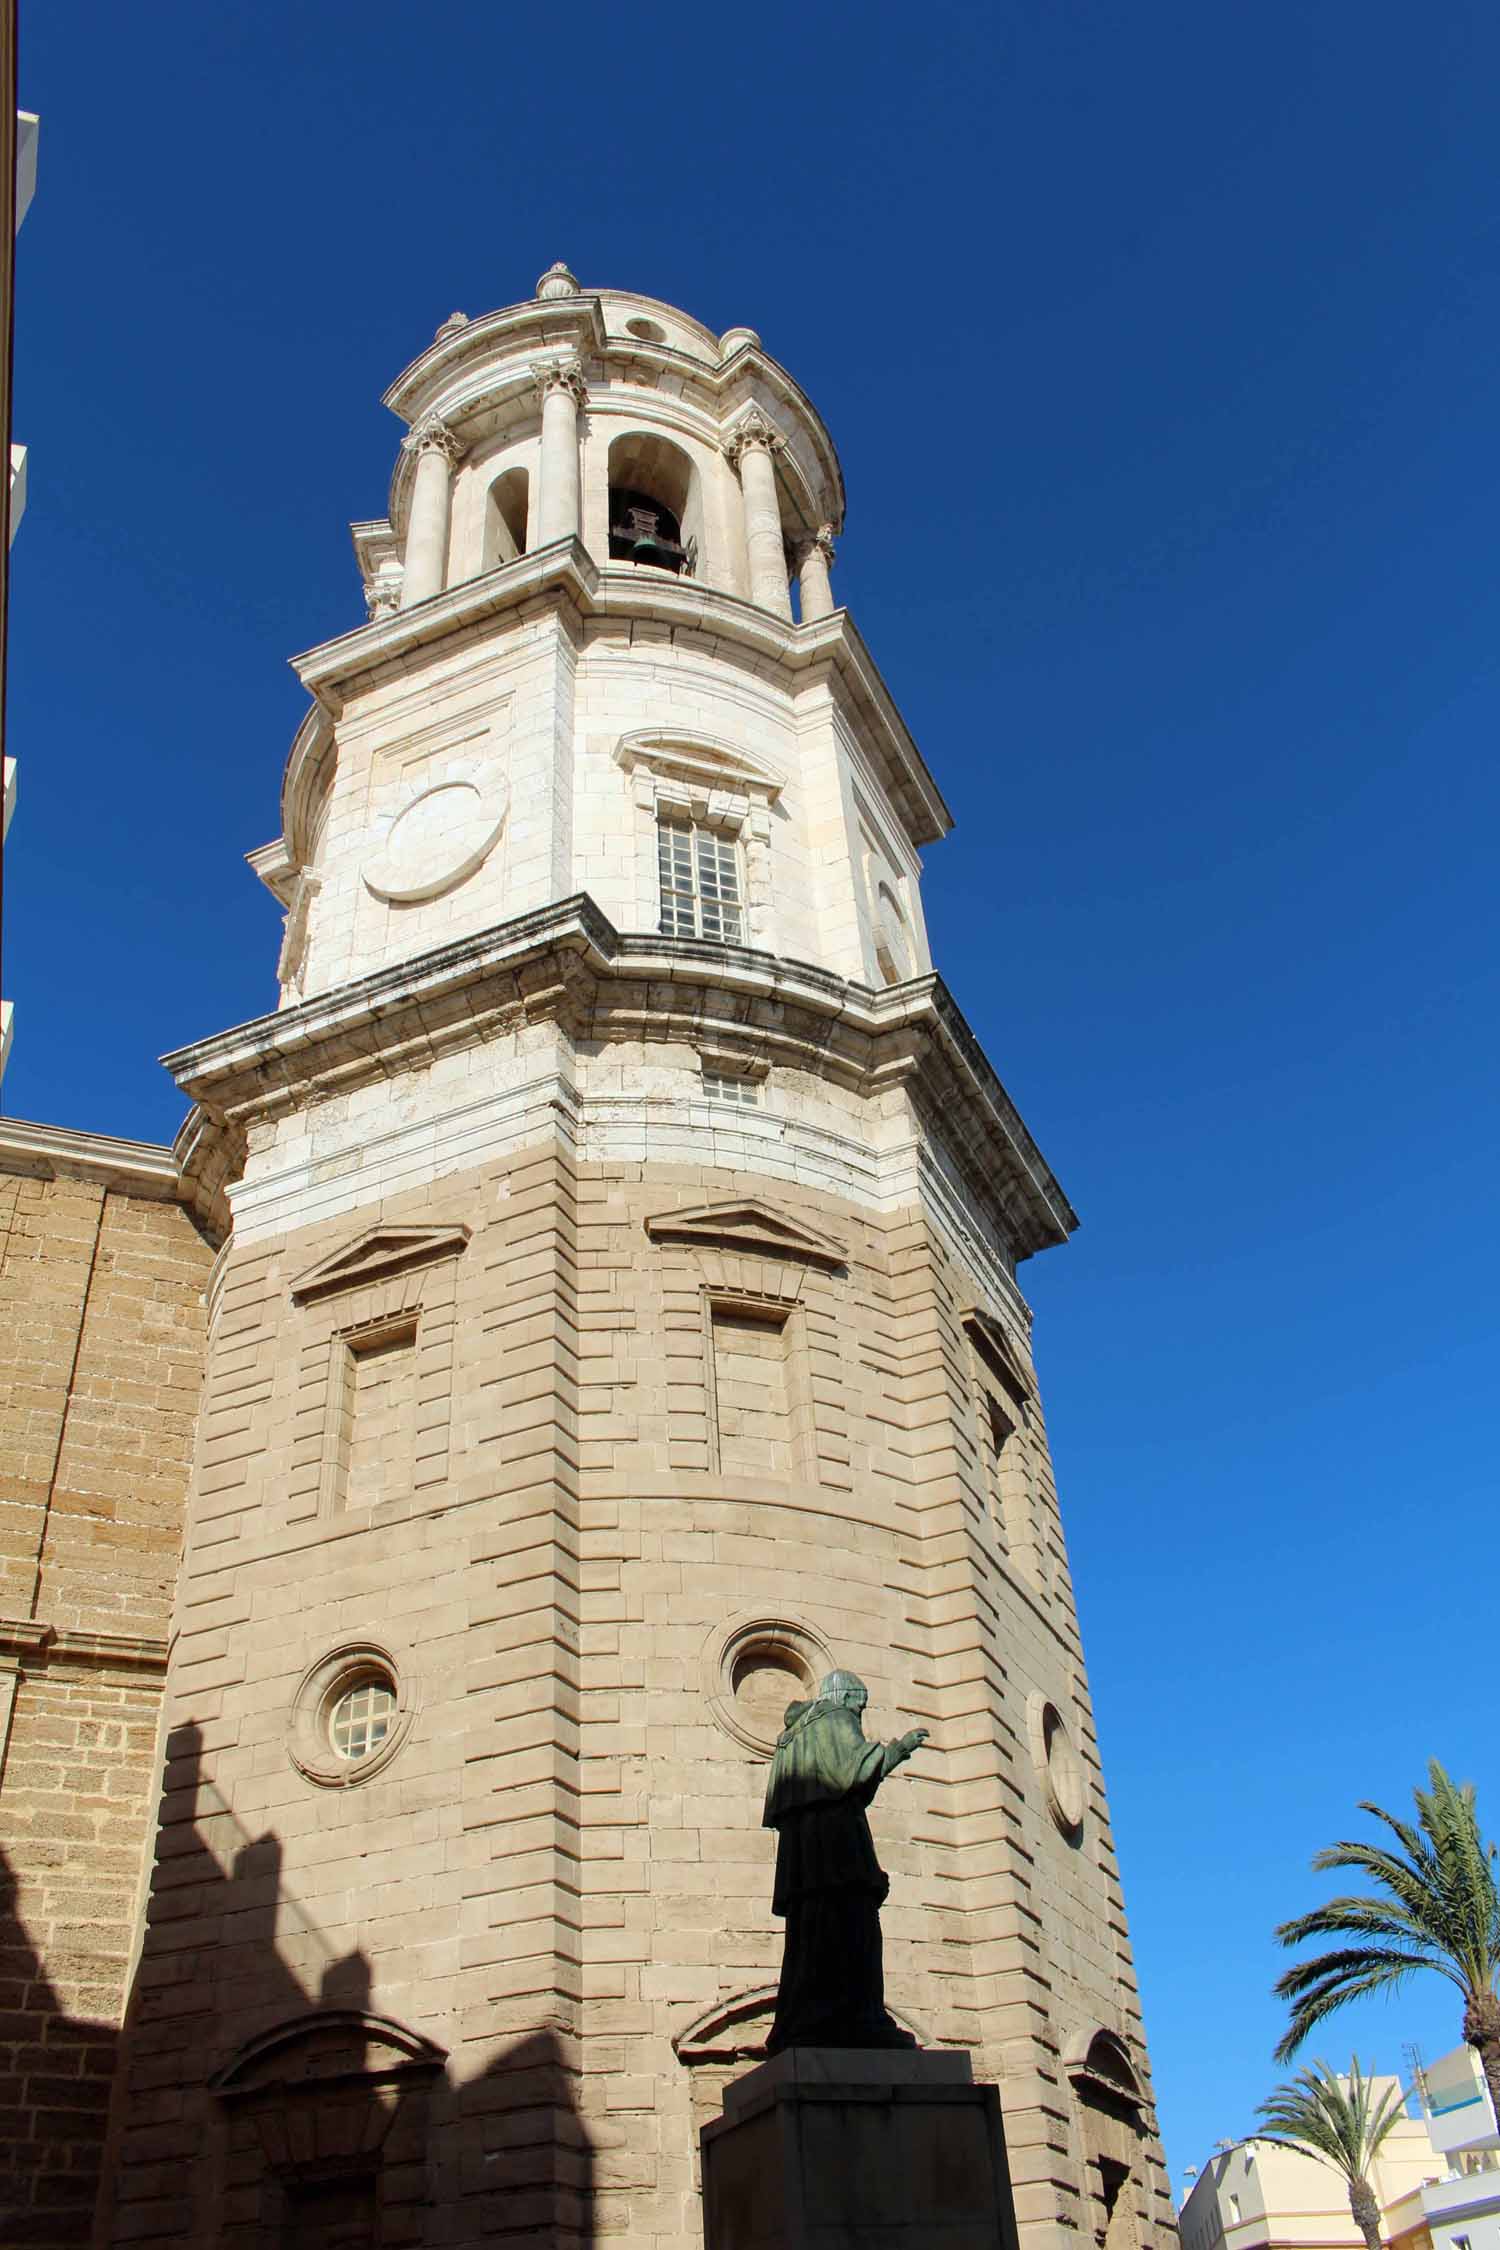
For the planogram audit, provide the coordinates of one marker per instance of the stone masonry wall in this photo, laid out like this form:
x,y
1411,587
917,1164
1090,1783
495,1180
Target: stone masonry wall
x,y
101,1315
558,1885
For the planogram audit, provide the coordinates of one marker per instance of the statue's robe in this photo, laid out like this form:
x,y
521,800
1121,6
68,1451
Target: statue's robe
x,y
829,1884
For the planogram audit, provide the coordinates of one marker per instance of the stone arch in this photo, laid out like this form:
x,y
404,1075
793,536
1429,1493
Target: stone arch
x,y
325,2124
506,532
1112,2131
646,463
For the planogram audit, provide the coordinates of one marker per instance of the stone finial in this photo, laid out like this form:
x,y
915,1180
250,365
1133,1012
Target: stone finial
x,y
753,429
558,282
564,374
432,435
737,340
451,326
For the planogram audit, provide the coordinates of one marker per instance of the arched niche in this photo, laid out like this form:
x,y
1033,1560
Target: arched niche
x,y
648,473
324,2123
505,532
1111,2127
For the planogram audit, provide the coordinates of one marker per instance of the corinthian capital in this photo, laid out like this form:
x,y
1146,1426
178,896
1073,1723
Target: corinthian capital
x,y
561,375
432,435
815,542
753,430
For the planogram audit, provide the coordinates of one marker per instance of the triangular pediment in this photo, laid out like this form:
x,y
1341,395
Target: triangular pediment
x,y
745,1223
996,1349
377,1254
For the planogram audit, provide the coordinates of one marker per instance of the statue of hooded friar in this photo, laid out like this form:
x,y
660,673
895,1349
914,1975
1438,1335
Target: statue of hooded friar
x,y
829,1884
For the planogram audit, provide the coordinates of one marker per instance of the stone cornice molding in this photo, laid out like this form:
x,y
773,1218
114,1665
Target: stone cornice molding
x,y
567,963
747,1222
29,1639
994,1346
704,758
462,374
338,668
57,1152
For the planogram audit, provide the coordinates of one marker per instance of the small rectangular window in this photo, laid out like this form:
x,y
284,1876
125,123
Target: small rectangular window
x,y
720,1087
700,882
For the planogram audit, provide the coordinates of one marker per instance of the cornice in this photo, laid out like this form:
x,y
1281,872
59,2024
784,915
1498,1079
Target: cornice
x,y
567,963
57,1152
28,1639
457,376
565,570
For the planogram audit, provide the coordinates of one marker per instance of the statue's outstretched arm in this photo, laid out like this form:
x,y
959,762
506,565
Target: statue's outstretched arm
x,y
896,1753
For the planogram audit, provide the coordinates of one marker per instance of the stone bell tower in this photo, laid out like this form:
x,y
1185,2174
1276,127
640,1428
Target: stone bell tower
x,y
617,1328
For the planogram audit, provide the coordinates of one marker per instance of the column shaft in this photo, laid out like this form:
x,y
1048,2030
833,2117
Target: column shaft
x,y
427,527
559,505
768,579
813,580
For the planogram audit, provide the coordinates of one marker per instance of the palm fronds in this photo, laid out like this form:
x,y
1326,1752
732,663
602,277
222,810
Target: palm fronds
x,y
1434,1905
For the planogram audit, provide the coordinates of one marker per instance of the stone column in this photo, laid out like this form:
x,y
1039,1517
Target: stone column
x,y
814,561
559,503
752,446
436,450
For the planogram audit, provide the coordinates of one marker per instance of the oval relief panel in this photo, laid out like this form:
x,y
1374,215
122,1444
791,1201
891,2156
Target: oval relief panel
x,y
437,840
1064,1782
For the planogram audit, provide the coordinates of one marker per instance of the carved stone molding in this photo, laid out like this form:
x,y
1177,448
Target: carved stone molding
x,y
383,595
378,1255
746,1223
432,435
561,375
556,282
753,430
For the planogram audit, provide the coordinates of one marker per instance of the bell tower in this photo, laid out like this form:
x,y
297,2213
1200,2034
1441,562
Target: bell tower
x,y
617,1328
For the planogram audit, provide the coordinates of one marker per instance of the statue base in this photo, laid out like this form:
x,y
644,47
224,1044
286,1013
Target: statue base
x,y
854,2148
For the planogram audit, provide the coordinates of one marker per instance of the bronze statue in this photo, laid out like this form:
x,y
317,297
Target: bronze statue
x,y
829,1884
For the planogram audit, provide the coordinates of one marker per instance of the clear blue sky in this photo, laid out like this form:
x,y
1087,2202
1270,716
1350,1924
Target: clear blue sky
x,y
1160,346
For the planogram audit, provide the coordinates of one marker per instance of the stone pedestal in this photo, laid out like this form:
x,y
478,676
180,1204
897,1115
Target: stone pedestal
x,y
837,2148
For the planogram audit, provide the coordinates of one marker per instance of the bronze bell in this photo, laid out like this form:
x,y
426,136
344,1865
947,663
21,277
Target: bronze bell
x,y
646,543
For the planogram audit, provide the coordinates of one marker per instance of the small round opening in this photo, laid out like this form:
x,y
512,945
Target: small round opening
x,y
647,330
361,1718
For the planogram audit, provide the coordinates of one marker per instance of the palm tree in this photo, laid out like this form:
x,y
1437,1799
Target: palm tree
x,y
1341,2121
1435,1906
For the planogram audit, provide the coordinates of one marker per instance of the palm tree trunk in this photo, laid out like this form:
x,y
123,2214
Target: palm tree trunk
x,y
1482,2033
1366,2212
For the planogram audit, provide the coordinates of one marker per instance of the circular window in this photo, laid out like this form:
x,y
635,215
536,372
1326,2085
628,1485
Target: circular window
x,y
361,1719
754,1670
647,330
350,1715
1059,1766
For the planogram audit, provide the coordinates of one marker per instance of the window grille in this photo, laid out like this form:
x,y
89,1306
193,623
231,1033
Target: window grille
x,y
700,882
742,1091
361,1719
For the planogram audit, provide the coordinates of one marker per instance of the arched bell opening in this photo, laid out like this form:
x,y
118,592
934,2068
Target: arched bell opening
x,y
655,506
505,513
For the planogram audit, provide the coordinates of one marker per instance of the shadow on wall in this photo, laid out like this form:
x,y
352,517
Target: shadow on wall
x,y
55,2075
261,2100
